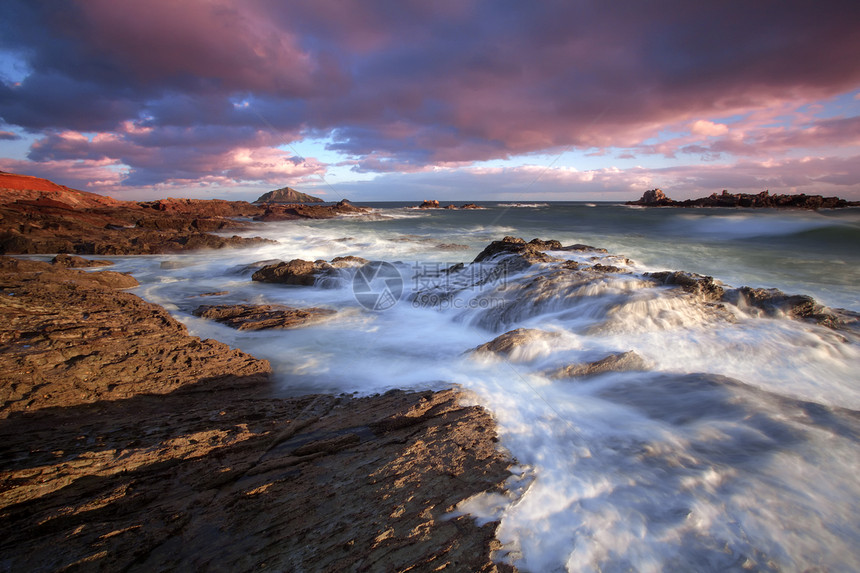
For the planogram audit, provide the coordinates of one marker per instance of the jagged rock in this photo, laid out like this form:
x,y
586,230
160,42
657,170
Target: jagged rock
x,y
656,198
295,272
613,363
509,341
305,273
527,253
72,261
260,317
432,204
471,206
693,283
653,198
774,302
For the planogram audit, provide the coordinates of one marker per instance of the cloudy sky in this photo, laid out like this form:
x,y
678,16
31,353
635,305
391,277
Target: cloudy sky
x,y
446,99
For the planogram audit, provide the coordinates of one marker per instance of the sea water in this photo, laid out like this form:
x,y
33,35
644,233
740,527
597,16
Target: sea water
x,y
734,448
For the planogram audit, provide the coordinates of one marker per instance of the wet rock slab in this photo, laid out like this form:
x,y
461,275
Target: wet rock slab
x,y
262,316
128,445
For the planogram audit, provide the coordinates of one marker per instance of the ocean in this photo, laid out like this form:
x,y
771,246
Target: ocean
x,y
733,446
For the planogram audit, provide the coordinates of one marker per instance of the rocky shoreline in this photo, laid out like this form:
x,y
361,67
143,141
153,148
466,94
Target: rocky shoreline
x,y
129,445
40,217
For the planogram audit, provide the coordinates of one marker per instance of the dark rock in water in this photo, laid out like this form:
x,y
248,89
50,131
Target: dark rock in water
x,y
431,204
774,302
259,317
305,273
528,253
471,206
75,262
507,342
601,268
295,272
613,363
693,283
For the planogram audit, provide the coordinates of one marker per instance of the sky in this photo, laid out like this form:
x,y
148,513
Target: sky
x,y
377,100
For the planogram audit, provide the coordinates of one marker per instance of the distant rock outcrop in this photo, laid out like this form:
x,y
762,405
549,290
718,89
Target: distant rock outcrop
x,y
434,204
656,198
287,195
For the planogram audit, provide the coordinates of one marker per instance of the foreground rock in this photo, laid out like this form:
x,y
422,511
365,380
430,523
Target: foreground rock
x,y
657,198
262,316
69,338
126,444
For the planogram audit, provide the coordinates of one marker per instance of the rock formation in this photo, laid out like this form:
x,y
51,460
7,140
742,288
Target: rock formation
x,y
287,195
519,253
301,272
656,198
38,216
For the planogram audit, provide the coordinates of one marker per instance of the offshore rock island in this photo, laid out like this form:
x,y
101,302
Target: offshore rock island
x,y
763,200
